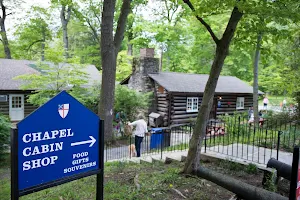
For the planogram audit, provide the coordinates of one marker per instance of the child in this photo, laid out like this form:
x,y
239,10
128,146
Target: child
x,y
266,102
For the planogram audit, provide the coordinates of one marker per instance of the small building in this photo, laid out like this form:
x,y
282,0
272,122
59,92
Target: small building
x,y
13,100
178,96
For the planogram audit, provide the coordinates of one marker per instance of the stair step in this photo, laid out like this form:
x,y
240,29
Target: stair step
x,y
175,157
147,159
135,160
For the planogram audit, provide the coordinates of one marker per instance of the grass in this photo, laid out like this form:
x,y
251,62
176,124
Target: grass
x,y
157,182
275,100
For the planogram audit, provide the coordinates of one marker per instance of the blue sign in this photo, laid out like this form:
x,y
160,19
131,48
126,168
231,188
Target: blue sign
x,y
58,140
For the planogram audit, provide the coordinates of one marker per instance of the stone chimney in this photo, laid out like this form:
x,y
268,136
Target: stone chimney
x,y
141,67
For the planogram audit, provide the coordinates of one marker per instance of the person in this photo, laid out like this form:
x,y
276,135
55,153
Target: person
x,y
284,104
266,101
251,119
250,112
120,120
260,114
139,133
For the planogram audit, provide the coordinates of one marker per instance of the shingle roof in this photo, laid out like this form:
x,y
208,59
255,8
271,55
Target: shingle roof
x,y
9,69
195,83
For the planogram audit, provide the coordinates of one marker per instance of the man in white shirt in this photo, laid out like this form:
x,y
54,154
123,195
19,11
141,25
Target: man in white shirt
x,y
139,132
284,104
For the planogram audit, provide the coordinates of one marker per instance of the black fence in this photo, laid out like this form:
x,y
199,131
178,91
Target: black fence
x,y
232,137
168,140
236,137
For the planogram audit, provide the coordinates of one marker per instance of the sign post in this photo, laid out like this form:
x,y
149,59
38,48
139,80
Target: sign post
x,y
59,142
295,179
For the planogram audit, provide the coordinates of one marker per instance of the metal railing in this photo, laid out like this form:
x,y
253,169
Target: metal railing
x,y
230,136
170,140
237,138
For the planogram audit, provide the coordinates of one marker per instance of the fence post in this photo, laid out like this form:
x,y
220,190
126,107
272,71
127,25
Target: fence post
x,y
130,147
161,144
205,140
106,151
238,136
278,144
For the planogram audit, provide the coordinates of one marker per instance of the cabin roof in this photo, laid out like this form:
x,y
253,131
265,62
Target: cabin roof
x,y
195,83
10,68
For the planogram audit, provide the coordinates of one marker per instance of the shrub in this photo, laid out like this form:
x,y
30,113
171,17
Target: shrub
x,y
278,118
296,96
252,169
130,101
4,135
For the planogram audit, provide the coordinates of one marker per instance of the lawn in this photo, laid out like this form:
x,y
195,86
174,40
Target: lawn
x,y
157,180
275,100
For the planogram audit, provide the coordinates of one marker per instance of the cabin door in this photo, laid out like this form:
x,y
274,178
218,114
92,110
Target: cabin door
x,y
16,107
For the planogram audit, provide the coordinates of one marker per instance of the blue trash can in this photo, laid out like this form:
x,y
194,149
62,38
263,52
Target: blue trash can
x,y
156,139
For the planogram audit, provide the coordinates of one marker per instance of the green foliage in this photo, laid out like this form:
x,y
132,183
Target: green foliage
x,y
124,67
296,96
130,102
277,119
33,36
55,77
4,135
252,169
270,181
118,167
231,165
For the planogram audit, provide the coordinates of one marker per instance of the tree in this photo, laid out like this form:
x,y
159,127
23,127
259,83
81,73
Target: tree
x,y
33,34
222,47
54,77
240,8
89,14
66,7
4,39
110,45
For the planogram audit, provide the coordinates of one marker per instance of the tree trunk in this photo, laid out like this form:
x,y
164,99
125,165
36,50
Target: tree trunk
x,y
66,40
255,79
43,46
130,49
241,189
161,59
110,46
64,23
193,158
5,40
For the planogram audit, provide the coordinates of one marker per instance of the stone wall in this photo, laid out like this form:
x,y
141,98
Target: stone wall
x,y
140,81
141,67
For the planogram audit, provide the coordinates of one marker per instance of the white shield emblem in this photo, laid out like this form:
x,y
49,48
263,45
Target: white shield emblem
x,y
63,110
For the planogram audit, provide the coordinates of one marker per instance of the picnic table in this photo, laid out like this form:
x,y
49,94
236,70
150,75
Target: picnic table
x,y
215,128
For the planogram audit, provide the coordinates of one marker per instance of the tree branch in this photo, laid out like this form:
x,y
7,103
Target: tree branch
x,y
96,36
98,18
62,13
69,13
208,28
3,8
33,44
125,10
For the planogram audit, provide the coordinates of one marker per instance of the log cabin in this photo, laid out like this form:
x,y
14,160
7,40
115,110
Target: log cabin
x,y
13,99
178,96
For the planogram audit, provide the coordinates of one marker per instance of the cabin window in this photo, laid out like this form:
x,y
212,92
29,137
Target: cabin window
x,y
192,104
240,102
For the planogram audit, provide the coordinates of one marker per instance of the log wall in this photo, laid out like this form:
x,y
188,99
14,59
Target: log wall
x,y
163,102
172,106
228,105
